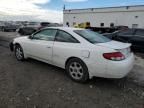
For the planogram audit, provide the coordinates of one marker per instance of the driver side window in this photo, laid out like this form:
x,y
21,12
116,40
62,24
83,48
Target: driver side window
x,y
47,34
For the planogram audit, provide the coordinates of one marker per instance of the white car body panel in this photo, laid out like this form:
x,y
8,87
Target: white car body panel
x,y
39,48
57,53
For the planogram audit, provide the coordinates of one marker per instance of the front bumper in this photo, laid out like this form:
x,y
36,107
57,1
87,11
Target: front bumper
x,y
11,46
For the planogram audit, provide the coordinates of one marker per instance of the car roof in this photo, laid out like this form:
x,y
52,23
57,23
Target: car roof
x,y
65,28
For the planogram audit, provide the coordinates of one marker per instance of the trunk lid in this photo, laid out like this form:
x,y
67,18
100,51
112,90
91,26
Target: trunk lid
x,y
115,45
124,48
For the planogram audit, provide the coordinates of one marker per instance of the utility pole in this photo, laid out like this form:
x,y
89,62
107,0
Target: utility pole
x,y
64,7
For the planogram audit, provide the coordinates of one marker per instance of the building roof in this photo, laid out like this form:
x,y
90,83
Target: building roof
x,y
134,8
107,7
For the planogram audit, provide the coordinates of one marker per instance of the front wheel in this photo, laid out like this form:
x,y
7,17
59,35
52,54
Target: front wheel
x,y
77,70
19,53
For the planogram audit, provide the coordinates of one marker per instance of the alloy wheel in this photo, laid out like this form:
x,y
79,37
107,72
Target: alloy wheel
x,y
76,70
19,53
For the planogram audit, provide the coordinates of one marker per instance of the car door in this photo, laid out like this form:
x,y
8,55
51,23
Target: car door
x,y
41,44
138,39
124,35
65,45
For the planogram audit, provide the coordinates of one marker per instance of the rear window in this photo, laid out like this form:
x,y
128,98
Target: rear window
x,y
91,36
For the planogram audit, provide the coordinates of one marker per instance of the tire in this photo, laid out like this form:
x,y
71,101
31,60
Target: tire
x,y
19,53
77,70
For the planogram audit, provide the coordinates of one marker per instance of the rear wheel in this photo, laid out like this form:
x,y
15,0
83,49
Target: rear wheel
x,y
77,70
19,53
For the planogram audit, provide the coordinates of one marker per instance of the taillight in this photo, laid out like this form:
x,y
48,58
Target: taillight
x,y
115,56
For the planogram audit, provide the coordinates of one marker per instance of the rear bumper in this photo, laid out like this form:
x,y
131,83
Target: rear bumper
x,y
113,69
119,69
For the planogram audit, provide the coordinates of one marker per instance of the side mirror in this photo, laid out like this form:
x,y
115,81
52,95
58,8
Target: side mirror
x,y
30,37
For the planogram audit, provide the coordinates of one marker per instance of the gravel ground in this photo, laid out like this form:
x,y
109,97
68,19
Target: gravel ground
x,y
34,84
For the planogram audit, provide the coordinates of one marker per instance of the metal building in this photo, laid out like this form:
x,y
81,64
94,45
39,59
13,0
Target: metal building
x,y
131,16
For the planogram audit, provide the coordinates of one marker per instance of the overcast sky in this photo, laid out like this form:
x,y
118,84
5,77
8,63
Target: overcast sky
x,y
51,10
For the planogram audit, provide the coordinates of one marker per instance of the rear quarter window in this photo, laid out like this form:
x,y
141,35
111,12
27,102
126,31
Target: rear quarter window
x,y
92,36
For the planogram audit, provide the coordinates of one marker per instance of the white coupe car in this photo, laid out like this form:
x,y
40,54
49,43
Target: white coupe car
x,y
83,53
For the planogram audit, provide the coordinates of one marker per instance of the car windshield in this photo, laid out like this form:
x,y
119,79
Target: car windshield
x,y
91,36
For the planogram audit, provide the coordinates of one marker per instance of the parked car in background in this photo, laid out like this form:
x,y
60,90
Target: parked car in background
x,y
40,25
1,27
133,36
43,25
83,53
47,24
8,28
110,35
26,30
34,26
121,27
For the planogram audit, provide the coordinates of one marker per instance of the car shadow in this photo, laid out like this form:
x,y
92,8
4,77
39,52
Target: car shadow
x,y
120,83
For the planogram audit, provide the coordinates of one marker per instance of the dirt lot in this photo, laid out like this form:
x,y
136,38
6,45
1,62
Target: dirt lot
x,y
33,84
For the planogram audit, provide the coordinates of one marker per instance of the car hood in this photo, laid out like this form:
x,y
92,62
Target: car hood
x,y
18,35
20,38
115,45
